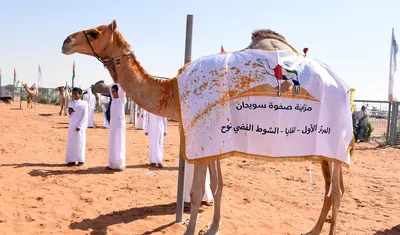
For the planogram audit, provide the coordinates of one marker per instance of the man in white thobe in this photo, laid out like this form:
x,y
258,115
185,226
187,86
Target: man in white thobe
x,y
78,119
208,196
156,128
116,134
132,118
142,117
102,101
91,100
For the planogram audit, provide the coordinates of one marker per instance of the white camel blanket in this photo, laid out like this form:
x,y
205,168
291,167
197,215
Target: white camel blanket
x,y
270,105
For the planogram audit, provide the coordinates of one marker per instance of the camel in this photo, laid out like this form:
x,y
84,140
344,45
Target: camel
x,y
32,95
61,89
157,96
100,87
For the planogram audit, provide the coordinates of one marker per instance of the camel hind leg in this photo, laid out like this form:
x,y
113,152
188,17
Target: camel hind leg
x,y
196,195
336,195
216,187
62,107
337,189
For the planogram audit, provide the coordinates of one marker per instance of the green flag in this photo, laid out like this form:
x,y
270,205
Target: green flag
x,y
73,74
15,76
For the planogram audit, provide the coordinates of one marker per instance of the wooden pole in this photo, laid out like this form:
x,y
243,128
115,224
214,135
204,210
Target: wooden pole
x,y
181,170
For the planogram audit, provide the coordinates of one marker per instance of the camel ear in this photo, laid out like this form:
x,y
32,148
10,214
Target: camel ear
x,y
113,25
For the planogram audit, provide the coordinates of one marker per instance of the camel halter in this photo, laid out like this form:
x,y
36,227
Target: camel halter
x,y
106,62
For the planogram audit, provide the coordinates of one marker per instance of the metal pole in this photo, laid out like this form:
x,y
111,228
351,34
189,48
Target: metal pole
x,y
388,123
181,170
20,97
393,125
66,98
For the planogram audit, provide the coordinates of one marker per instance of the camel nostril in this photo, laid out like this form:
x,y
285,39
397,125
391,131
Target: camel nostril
x,y
67,40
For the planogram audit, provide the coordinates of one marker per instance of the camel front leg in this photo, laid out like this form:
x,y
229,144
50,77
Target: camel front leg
x,y
216,187
196,195
62,107
327,200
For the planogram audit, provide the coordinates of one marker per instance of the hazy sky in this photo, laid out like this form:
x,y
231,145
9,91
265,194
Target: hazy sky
x,y
352,37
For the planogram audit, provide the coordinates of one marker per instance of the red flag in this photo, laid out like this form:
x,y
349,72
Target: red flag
x,y
15,76
222,50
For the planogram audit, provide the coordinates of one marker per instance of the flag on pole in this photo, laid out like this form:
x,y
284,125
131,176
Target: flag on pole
x,y
222,50
394,48
39,77
73,74
15,76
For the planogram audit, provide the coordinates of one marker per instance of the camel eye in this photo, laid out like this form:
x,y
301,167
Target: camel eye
x,y
93,34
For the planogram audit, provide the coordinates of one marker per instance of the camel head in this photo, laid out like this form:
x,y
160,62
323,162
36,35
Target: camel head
x,y
60,88
268,39
100,87
100,42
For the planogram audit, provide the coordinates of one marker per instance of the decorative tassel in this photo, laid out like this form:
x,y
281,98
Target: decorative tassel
x,y
305,49
310,176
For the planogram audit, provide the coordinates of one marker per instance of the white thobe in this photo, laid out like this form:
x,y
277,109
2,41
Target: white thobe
x,y
76,142
91,100
189,170
142,115
132,118
102,101
116,134
155,126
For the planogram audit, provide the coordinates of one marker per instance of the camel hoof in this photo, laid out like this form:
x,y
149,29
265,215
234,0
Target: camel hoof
x,y
310,233
208,232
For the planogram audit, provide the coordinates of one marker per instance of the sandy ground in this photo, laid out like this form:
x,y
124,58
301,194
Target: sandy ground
x,y
39,195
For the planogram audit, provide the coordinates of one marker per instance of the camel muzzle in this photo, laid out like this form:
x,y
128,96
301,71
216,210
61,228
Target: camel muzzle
x,y
67,44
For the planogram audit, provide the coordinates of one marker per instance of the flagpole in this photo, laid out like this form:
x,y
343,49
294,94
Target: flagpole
x,y
392,65
73,74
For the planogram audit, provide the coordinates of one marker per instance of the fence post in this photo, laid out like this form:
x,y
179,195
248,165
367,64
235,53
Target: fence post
x,y
393,126
20,97
388,123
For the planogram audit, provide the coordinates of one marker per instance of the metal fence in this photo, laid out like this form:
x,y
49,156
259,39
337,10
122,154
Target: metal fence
x,y
384,117
378,115
46,95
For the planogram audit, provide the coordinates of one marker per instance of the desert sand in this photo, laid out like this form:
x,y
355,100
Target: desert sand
x,y
39,195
